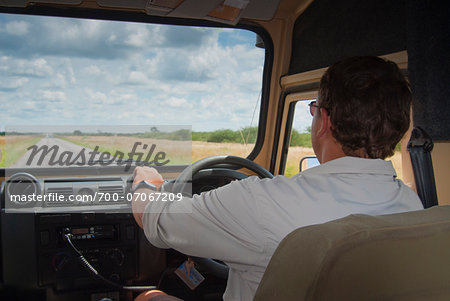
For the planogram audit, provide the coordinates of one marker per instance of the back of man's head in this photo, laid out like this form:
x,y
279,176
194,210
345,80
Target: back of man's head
x,y
368,100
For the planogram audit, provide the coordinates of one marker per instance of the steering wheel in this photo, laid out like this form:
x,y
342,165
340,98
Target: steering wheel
x,y
217,161
214,267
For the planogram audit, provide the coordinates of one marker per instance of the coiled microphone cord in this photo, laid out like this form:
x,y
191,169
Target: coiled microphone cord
x,y
93,271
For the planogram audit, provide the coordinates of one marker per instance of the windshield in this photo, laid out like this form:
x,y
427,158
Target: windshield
x,y
73,72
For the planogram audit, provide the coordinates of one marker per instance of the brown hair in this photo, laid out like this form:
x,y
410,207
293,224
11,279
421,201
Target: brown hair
x,y
369,102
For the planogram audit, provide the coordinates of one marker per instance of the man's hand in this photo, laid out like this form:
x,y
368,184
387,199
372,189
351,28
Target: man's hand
x,y
149,174
155,295
140,174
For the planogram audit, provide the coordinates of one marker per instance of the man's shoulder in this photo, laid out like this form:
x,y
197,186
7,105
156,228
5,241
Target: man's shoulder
x,y
351,165
256,181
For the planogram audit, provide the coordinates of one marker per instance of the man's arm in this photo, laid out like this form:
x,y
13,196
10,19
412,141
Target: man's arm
x,y
223,223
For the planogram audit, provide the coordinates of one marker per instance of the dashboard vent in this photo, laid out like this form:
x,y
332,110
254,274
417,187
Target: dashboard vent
x,y
113,194
57,191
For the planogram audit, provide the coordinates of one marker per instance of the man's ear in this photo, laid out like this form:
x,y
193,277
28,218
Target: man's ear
x,y
325,125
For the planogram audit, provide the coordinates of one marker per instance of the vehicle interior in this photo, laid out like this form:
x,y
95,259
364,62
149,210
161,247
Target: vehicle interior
x,y
91,73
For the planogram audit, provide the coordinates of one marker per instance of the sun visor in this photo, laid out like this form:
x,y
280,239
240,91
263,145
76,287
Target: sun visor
x,y
224,11
228,11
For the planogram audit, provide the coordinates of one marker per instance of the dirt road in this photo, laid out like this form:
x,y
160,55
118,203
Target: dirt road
x,y
51,151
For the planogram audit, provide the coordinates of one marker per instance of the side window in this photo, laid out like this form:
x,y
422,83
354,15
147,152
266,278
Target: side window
x,y
300,141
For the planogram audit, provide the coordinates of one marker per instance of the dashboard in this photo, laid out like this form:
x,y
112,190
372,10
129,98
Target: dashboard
x,y
25,193
103,229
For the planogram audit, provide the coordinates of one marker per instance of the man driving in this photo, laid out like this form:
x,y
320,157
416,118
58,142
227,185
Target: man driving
x,y
361,114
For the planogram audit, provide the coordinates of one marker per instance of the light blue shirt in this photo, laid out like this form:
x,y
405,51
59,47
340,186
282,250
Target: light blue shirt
x,y
242,223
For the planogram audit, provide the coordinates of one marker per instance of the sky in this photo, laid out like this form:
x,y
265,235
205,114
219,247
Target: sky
x,y
60,71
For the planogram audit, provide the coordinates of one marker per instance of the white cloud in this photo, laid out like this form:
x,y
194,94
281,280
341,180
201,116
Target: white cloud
x,y
124,98
138,37
177,102
135,117
18,28
96,97
40,67
20,67
137,77
91,70
29,105
13,83
53,96
302,117
100,72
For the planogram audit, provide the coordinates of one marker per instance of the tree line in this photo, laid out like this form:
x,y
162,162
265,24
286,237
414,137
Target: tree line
x,y
246,135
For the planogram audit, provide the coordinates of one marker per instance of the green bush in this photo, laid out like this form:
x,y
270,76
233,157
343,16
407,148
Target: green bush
x,y
250,134
244,135
223,136
300,139
200,136
247,135
180,135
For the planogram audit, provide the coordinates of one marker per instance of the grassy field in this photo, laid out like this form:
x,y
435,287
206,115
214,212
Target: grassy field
x,y
13,147
2,150
297,152
179,152
205,149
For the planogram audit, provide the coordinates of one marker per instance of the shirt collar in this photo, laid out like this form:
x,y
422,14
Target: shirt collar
x,y
354,165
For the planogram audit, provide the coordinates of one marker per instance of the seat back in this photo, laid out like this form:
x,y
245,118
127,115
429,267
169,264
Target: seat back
x,y
403,256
